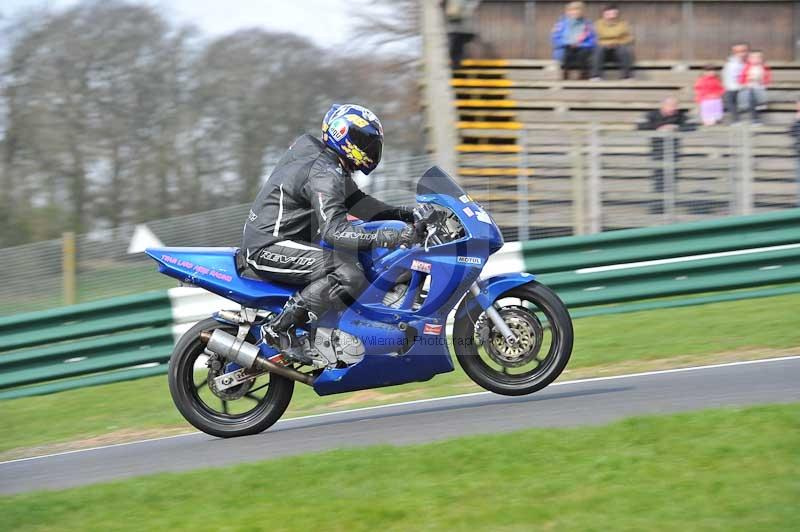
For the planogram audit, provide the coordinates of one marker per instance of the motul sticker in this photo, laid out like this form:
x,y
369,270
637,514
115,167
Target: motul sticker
x,y
432,329
469,212
418,265
470,260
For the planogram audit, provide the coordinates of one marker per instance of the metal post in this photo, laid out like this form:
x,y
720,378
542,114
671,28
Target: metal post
x,y
68,267
670,183
438,97
746,177
733,148
797,179
594,192
687,23
523,211
576,154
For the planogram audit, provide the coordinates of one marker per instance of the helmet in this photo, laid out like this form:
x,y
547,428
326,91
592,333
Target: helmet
x,y
356,134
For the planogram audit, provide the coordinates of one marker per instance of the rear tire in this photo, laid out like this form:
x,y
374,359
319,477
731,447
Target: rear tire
x,y
543,305
186,392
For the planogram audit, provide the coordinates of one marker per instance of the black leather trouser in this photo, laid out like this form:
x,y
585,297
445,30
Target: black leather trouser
x,y
330,279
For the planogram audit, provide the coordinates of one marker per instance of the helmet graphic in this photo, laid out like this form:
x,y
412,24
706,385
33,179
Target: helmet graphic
x,y
356,134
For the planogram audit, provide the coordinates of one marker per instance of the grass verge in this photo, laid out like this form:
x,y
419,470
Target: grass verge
x,y
729,469
603,345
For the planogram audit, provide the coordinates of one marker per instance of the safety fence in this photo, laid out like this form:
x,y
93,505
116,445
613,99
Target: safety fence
x,y
109,262
130,337
556,180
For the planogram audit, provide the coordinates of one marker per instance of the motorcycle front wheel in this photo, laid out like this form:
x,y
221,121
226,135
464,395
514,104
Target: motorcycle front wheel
x,y
542,327
248,408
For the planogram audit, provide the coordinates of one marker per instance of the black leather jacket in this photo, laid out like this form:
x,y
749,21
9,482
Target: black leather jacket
x,y
308,197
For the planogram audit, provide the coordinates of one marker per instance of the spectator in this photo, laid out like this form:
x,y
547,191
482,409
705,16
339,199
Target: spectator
x,y
754,79
573,40
460,27
668,117
795,133
730,78
708,92
614,40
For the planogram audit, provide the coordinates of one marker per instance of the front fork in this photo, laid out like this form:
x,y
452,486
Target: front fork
x,y
488,307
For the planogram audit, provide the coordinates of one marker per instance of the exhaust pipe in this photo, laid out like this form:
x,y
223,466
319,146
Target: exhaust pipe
x,y
246,355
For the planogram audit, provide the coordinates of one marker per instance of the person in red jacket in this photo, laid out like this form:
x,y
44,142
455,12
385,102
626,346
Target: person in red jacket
x,y
754,79
708,91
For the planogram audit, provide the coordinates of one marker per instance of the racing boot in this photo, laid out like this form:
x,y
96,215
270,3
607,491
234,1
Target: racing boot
x,y
280,331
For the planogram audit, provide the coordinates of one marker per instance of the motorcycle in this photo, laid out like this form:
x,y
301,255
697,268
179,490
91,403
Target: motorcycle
x,y
511,334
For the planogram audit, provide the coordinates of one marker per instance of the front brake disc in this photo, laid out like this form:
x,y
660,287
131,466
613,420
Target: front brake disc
x,y
529,332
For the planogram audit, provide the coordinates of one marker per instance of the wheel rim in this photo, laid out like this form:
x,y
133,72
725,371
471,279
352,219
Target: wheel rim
x,y
234,408
538,344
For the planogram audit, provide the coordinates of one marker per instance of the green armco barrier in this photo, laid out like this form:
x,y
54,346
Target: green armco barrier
x,y
87,319
677,240
75,346
130,337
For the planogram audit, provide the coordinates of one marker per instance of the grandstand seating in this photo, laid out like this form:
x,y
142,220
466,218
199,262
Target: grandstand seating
x,y
518,118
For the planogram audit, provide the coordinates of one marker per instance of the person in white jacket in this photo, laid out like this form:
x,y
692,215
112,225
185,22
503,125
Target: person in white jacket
x,y
730,78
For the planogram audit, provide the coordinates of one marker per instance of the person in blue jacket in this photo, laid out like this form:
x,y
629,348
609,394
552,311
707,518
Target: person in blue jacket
x,y
573,40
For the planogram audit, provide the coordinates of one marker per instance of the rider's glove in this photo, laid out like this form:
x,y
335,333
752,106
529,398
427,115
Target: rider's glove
x,y
394,238
405,214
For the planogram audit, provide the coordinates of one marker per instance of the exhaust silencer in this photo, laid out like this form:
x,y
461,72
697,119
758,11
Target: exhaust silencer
x,y
246,355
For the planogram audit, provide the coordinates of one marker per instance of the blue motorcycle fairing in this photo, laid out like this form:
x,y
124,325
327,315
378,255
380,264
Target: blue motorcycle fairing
x,y
494,287
427,357
215,270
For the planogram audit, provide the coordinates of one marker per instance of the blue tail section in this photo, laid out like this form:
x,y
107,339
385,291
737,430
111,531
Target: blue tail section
x,y
223,272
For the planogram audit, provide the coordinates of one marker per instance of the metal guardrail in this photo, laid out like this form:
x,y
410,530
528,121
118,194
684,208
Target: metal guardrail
x,y
130,337
557,180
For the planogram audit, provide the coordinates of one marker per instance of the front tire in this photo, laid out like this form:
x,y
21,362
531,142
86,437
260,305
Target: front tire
x,y
543,327
251,413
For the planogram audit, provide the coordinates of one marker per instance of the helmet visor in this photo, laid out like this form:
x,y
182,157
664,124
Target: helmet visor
x,y
369,141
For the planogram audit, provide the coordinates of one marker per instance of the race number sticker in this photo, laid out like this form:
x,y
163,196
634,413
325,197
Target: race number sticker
x,y
418,265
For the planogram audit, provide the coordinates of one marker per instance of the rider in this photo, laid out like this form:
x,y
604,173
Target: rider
x,y
307,197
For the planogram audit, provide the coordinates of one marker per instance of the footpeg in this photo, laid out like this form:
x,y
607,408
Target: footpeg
x,y
236,377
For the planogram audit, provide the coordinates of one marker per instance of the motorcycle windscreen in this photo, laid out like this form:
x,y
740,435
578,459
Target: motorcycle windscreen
x,y
436,181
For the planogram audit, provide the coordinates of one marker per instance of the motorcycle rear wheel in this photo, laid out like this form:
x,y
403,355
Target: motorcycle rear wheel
x,y
243,411
544,331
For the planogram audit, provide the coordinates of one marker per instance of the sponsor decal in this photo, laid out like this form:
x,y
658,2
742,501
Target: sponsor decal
x,y
355,235
338,129
279,258
469,212
420,266
465,199
197,268
432,329
470,260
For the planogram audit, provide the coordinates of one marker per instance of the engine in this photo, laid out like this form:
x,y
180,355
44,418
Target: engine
x,y
338,346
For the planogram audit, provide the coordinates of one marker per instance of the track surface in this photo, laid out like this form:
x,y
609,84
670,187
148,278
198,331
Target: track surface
x,y
586,402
